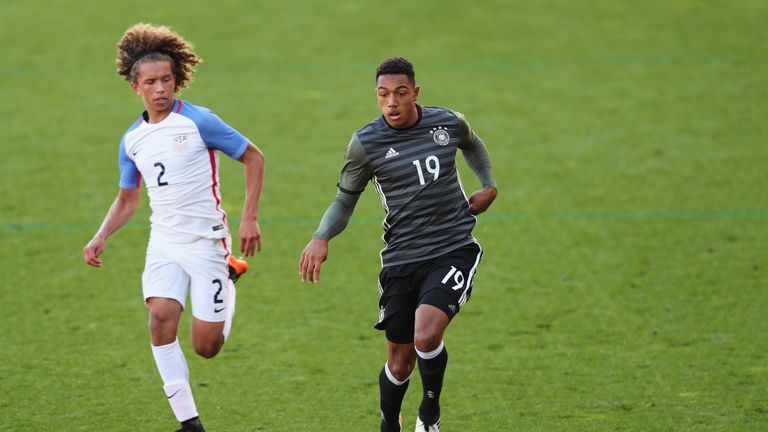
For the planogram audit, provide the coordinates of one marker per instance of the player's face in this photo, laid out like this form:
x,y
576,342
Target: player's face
x,y
156,85
397,100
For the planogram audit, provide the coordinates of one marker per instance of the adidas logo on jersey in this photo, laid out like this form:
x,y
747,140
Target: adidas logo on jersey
x,y
391,153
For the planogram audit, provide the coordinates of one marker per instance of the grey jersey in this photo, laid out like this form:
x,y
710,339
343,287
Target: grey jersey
x,y
414,172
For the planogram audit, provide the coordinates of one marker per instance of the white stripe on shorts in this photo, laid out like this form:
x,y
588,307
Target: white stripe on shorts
x,y
471,276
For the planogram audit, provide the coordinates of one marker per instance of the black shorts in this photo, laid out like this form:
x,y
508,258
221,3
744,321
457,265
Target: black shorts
x,y
444,282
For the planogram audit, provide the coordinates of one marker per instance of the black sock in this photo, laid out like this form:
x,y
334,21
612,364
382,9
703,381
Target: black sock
x,y
432,372
391,398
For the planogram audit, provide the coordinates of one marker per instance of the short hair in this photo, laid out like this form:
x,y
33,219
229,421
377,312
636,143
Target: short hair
x,y
147,43
396,66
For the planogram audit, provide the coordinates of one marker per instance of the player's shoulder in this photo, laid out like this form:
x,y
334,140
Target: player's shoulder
x,y
197,113
439,114
435,116
374,127
135,125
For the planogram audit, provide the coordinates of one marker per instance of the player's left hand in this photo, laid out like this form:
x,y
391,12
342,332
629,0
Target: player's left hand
x,y
480,201
250,237
312,257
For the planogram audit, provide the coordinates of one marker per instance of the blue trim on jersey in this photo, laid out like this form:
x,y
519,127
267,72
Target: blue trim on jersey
x,y
215,133
129,173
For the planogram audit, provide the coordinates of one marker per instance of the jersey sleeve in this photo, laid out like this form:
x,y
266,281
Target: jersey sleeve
x,y
219,135
466,134
337,216
357,169
475,152
130,178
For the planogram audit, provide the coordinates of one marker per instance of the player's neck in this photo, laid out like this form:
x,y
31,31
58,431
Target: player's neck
x,y
151,116
416,119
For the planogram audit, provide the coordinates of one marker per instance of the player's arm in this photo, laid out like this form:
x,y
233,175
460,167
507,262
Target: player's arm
x,y
332,224
119,214
249,232
476,154
220,136
354,176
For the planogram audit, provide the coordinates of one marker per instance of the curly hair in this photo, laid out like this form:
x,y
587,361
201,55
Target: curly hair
x,y
397,66
145,42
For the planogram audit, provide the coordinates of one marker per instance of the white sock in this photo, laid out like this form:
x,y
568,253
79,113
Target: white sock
x,y
175,375
179,395
231,297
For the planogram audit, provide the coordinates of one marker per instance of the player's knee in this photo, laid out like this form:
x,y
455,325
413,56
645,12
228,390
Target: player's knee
x,y
163,313
426,340
206,349
162,328
400,370
160,318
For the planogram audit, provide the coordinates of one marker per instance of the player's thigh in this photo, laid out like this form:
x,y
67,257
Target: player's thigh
x,y
396,317
206,333
164,278
397,303
449,280
206,264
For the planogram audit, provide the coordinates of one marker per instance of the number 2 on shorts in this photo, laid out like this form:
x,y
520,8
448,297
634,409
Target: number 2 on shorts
x,y
216,298
458,277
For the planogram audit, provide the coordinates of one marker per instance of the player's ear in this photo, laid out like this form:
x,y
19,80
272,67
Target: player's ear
x,y
416,93
135,88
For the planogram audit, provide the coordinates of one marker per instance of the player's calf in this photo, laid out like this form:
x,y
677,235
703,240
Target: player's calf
x,y
432,367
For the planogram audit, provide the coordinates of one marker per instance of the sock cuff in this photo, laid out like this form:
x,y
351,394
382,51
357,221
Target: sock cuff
x,y
167,347
392,378
432,354
170,362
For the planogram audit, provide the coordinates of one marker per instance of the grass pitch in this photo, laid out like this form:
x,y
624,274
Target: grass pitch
x,y
623,285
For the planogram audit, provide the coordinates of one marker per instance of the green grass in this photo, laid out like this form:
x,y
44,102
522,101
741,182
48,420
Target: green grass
x,y
623,286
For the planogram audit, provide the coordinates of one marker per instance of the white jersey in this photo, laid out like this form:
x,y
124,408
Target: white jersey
x,y
179,160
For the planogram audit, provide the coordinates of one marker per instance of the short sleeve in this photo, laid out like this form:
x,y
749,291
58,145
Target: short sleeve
x,y
357,170
219,135
130,178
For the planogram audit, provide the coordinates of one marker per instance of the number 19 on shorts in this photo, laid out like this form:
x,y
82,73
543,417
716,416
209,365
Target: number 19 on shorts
x,y
458,278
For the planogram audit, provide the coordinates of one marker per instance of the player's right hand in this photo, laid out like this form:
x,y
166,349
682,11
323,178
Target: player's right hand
x,y
92,250
480,201
312,257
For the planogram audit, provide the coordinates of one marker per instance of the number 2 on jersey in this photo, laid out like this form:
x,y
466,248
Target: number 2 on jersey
x,y
432,163
160,182
458,277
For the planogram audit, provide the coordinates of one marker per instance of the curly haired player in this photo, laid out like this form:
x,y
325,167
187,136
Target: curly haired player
x,y
174,145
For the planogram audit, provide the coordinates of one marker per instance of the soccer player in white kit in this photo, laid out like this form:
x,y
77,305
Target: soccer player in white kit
x,y
174,146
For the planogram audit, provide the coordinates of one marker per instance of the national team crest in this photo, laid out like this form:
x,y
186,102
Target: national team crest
x,y
180,143
440,135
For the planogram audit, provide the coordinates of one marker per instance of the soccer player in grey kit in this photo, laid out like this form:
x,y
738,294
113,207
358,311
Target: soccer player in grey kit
x,y
430,256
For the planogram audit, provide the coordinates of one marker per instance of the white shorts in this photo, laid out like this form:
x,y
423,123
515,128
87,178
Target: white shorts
x,y
201,266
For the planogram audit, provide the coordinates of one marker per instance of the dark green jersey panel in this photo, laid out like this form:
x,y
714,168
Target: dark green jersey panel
x,y
414,172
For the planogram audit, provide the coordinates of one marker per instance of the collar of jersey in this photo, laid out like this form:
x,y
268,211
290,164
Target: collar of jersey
x,y
418,108
176,108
